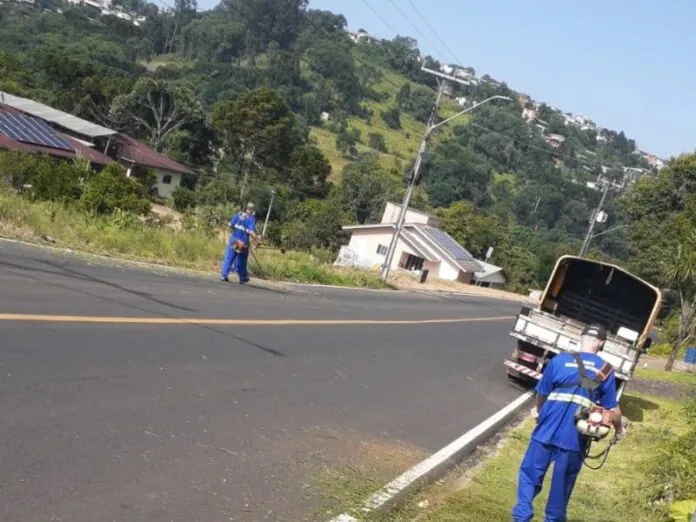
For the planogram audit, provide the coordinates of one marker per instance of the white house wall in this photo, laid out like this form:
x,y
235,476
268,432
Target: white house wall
x,y
391,215
165,189
494,278
448,272
365,243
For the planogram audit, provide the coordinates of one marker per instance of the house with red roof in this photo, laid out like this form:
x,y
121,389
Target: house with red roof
x,y
29,126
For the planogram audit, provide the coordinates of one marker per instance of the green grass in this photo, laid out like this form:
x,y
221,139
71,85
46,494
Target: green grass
x,y
612,494
675,377
402,144
124,237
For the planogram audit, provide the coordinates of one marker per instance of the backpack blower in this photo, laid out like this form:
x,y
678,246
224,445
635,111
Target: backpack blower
x,y
593,422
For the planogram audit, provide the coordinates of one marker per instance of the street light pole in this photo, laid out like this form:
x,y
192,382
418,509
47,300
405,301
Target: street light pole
x,y
431,126
593,220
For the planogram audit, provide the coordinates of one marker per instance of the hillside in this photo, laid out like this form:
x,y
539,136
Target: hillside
x,y
256,97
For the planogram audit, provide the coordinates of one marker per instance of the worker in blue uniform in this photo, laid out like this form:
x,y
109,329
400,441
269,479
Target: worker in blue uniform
x,y
243,226
556,438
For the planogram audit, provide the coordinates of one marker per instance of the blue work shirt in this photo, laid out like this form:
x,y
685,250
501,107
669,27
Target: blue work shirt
x,y
556,422
242,224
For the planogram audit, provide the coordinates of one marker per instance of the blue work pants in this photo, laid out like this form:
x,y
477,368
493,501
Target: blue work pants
x,y
566,467
232,258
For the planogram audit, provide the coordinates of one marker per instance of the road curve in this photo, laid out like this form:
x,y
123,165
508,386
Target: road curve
x,y
162,397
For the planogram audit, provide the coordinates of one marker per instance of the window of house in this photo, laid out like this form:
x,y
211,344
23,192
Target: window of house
x,y
167,179
382,250
412,263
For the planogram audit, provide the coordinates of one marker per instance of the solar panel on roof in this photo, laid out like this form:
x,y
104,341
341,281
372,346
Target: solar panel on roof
x,y
446,243
31,130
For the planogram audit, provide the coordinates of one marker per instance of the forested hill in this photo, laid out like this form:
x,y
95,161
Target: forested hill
x,y
257,94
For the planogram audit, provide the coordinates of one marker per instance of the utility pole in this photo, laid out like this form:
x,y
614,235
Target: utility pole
x,y
268,213
430,127
593,220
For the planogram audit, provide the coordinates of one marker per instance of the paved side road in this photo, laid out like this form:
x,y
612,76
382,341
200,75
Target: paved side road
x,y
160,423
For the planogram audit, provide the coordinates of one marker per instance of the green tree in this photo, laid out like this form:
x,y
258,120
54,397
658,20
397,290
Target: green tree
x,y
392,117
155,108
310,172
474,230
680,274
377,142
364,187
258,131
663,245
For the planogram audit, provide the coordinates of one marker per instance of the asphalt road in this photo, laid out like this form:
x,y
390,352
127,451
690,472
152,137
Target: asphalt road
x,y
210,422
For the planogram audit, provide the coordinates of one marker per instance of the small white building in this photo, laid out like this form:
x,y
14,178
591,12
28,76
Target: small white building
x,y
491,276
422,245
135,154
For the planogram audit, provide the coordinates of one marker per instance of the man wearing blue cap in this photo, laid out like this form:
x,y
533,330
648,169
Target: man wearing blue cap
x,y
243,226
556,438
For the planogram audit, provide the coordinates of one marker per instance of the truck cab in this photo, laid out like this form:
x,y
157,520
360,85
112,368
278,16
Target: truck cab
x,y
580,292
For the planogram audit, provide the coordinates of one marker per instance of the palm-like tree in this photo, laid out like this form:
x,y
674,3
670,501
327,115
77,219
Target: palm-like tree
x,y
680,275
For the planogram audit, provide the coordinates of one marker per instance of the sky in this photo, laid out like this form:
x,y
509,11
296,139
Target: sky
x,y
624,63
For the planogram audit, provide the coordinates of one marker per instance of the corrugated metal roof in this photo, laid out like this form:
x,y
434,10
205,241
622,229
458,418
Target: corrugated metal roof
x,y
65,120
88,152
490,273
423,250
446,244
137,152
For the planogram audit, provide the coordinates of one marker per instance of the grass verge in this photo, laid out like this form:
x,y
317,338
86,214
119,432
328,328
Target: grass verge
x,y
674,377
131,239
614,493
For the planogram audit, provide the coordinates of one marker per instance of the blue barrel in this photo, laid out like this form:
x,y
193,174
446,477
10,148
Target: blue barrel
x,y
690,356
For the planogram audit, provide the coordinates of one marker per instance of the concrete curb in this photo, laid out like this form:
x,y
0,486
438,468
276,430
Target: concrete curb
x,y
435,466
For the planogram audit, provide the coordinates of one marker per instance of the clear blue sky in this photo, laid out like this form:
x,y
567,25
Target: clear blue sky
x,y
627,64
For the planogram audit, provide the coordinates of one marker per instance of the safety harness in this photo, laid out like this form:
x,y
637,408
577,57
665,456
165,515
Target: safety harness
x,y
591,420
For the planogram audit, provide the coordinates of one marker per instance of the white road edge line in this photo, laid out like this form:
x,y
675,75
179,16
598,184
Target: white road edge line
x,y
437,464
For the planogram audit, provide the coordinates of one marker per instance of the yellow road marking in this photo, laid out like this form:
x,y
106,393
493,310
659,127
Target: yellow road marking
x,y
230,322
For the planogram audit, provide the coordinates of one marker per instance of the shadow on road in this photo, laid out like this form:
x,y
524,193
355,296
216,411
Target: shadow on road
x,y
74,274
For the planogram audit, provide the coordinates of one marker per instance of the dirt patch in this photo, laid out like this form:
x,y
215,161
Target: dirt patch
x,y
668,390
341,468
172,216
408,282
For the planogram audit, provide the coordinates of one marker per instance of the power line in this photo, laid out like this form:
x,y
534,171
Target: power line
x,y
415,27
380,17
435,33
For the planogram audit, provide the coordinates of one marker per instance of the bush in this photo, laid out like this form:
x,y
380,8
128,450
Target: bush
x,y
16,168
183,198
673,471
51,180
392,117
55,181
377,141
112,190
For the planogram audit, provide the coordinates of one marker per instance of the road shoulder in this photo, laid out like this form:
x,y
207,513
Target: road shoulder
x,y
619,491
124,262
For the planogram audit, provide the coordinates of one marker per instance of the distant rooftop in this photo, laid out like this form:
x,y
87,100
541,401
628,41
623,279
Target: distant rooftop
x,y
65,120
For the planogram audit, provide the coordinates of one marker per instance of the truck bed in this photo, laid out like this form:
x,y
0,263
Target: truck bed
x,y
559,334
